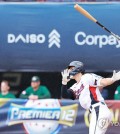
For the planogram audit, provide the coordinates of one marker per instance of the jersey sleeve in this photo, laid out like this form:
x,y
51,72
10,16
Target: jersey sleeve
x,y
76,89
91,79
96,80
45,93
25,93
67,92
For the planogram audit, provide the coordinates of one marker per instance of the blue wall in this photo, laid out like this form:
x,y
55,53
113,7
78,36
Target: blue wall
x,y
46,37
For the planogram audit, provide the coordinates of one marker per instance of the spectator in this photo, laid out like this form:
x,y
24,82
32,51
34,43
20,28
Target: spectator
x,y
5,90
36,90
117,94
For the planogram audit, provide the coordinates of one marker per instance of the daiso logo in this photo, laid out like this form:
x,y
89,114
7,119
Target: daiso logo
x,y
53,38
28,38
81,38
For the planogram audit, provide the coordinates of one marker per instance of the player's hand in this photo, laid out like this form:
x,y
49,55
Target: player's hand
x,y
116,76
65,75
33,97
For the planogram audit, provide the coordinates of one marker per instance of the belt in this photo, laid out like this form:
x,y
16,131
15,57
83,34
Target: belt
x,y
95,105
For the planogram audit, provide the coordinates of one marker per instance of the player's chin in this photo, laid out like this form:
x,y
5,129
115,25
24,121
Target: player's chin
x,y
72,77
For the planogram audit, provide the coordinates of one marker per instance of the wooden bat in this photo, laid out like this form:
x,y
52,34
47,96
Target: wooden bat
x,y
89,16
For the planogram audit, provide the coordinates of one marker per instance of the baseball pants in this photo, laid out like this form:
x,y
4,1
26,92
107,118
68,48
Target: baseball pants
x,y
101,117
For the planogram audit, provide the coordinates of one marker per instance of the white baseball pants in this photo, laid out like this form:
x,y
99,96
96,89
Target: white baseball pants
x,y
100,118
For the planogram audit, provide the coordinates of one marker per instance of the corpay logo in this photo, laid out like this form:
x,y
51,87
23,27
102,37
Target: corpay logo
x,y
101,40
54,38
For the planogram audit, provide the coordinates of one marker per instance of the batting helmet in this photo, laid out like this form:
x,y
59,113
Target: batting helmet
x,y
79,67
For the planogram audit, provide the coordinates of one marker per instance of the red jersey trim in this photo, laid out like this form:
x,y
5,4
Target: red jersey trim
x,y
93,91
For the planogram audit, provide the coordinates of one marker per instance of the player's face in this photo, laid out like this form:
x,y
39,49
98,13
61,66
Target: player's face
x,y
4,87
75,76
72,68
35,84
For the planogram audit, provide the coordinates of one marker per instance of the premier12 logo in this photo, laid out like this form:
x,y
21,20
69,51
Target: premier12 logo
x,y
47,115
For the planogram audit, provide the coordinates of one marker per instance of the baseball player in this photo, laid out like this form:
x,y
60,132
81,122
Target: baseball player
x,y
86,89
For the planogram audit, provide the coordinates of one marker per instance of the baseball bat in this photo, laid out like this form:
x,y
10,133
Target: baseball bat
x,y
89,16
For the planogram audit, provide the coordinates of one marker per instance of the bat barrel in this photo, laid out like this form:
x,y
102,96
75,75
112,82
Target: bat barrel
x,y
84,12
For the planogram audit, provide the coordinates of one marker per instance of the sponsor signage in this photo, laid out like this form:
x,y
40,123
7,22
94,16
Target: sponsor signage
x,y
40,39
51,116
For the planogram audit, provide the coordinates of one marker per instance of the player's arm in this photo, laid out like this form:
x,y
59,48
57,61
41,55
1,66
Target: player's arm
x,y
108,81
67,92
25,94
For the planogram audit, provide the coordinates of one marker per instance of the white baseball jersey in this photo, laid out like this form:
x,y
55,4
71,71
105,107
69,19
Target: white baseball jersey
x,y
87,90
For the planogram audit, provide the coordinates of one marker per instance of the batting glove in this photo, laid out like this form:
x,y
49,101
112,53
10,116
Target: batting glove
x,y
116,76
65,75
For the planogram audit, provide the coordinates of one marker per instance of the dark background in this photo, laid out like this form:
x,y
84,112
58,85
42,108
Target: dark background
x,y
51,79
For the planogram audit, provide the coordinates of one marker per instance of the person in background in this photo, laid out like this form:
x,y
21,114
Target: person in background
x,y
5,90
117,94
36,90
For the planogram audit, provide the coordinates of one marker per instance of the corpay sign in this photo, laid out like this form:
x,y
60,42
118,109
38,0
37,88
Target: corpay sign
x,y
81,38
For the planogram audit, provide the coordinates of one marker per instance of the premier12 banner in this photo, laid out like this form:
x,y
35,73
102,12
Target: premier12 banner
x,y
46,37
51,116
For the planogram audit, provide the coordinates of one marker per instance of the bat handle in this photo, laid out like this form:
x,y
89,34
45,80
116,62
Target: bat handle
x,y
116,36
